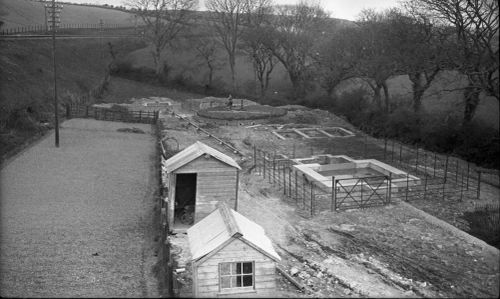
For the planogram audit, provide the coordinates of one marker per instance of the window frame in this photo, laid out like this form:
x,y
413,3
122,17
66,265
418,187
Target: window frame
x,y
241,275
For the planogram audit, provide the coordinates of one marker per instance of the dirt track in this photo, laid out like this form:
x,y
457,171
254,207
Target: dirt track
x,y
76,220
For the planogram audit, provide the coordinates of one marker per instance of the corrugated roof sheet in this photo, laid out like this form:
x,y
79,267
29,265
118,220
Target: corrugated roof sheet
x,y
213,230
194,151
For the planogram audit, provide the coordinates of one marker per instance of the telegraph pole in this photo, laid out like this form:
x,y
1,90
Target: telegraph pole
x,y
54,11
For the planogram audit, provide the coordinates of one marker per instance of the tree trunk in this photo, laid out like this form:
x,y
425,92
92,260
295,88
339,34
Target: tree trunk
x,y
210,74
387,97
157,61
377,95
471,97
232,63
417,80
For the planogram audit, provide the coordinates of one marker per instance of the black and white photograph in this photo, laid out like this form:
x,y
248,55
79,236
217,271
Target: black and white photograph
x,y
249,149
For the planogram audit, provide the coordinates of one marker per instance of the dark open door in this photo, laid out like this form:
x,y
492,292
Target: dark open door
x,y
185,198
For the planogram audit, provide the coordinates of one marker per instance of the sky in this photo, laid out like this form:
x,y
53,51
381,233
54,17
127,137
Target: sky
x,y
342,9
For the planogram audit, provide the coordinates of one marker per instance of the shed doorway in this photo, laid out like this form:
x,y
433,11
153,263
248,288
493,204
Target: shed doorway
x,y
185,199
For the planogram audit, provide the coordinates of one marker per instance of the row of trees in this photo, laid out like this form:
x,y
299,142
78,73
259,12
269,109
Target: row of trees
x,y
420,39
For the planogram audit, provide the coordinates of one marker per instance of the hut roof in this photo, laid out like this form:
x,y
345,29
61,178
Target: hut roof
x,y
223,225
194,151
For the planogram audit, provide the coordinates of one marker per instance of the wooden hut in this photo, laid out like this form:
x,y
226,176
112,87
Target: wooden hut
x,y
231,256
197,179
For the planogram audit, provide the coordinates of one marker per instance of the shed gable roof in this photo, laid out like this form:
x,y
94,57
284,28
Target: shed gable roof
x,y
194,151
220,227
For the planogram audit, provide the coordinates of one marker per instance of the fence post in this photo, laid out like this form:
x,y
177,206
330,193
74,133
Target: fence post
x,y
296,188
407,185
140,115
425,163
468,168
425,185
284,180
290,180
478,184
444,188
390,188
462,186
274,168
264,164
434,173
361,192
303,191
254,156
416,161
332,204
456,174
312,199
446,169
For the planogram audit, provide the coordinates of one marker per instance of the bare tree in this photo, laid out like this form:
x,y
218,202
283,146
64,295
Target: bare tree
x,y
293,33
475,34
376,63
420,48
164,20
228,19
206,48
335,59
254,45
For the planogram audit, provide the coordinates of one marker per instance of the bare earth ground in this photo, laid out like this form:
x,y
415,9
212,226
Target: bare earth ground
x,y
390,251
76,220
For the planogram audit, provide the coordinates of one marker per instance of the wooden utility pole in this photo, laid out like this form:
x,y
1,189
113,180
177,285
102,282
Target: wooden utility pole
x,y
54,11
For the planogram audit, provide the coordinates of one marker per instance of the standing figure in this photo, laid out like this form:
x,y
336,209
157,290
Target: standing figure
x,y
230,102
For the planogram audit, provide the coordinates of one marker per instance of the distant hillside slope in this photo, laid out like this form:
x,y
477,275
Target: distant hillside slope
x,y
19,13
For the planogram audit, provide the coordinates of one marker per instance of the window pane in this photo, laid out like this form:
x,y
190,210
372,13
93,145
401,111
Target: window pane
x,y
225,268
225,282
235,281
247,280
238,268
247,268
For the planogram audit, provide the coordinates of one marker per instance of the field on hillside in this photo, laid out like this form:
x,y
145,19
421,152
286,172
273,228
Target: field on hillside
x,y
27,83
19,13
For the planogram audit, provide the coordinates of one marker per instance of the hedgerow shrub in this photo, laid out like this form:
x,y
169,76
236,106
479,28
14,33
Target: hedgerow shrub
x,y
475,141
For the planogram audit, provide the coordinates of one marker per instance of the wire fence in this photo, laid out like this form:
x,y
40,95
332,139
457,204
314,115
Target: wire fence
x,y
68,28
431,177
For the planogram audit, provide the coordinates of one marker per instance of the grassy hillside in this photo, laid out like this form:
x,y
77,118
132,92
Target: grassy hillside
x,y
26,81
19,13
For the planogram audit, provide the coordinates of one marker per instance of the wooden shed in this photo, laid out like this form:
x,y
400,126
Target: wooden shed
x,y
198,178
231,256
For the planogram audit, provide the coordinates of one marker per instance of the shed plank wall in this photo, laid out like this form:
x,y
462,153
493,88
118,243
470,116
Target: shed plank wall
x,y
237,251
216,182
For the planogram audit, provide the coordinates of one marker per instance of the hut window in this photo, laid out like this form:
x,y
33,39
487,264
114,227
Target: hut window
x,y
236,275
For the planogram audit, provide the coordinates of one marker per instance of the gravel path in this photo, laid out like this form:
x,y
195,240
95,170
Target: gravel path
x,y
76,220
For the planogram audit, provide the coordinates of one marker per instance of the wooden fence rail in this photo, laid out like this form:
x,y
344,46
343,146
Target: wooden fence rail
x,y
98,113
